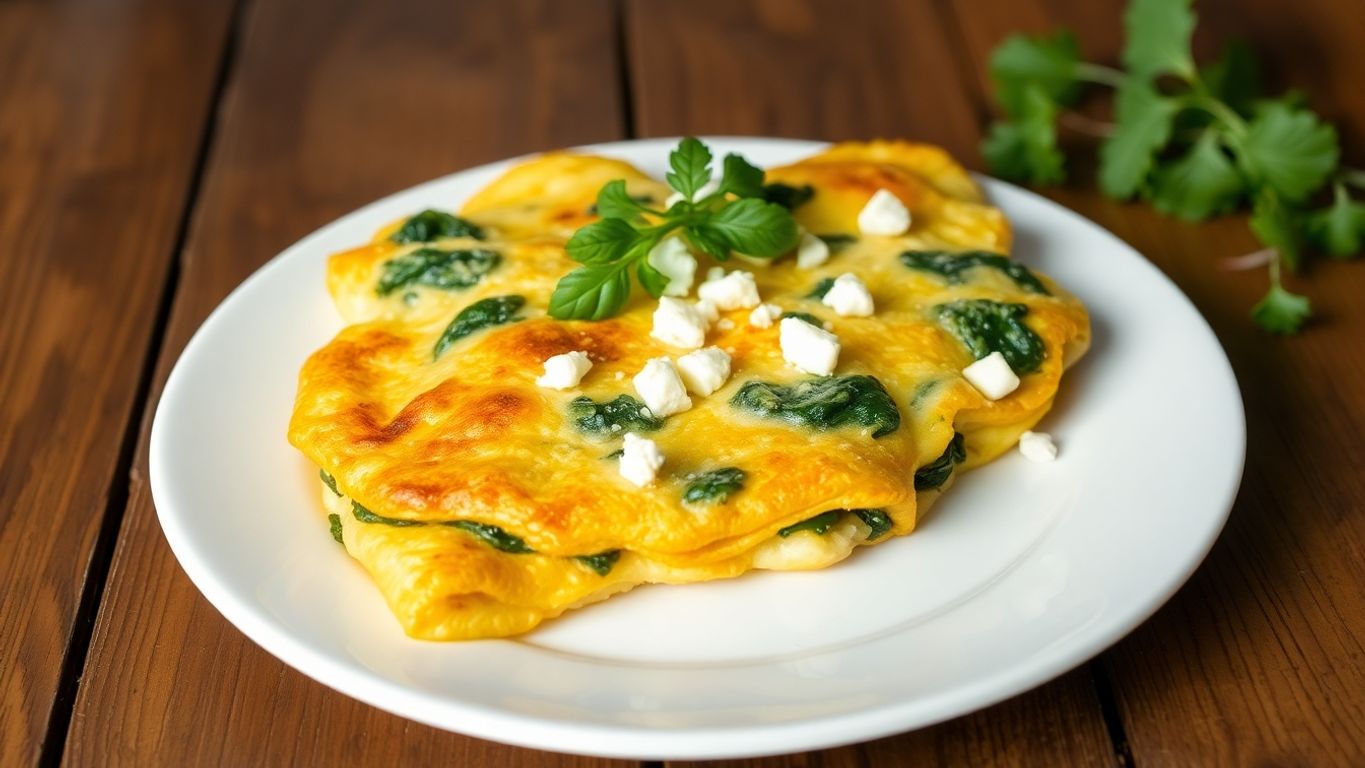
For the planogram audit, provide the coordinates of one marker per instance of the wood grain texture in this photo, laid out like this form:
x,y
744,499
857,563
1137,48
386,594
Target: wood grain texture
x,y
1258,661
331,105
101,113
878,69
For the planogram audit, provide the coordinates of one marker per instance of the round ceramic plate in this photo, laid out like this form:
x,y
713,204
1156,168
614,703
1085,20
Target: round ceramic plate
x,y
1021,572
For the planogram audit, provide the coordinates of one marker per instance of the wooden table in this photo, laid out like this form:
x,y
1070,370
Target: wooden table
x,y
154,153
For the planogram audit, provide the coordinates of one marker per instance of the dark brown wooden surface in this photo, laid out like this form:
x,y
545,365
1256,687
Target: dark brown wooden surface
x,y
101,116
105,108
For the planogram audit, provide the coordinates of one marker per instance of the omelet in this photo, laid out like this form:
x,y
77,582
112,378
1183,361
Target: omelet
x,y
483,503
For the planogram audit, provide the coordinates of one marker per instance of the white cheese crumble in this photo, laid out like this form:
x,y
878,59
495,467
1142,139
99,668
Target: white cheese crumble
x,y
735,290
813,350
884,214
725,324
848,297
992,376
764,315
679,324
676,263
702,191
564,371
811,252
705,370
640,460
1038,446
660,387
708,311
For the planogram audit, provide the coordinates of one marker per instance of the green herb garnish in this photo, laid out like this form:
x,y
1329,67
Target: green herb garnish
x,y
366,516
714,224
493,536
616,417
951,266
818,525
1194,141
933,475
435,268
805,317
600,563
432,225
329,481
838,242
984,326
821,288
714,487
875,519
334,523
787,196
484,313
828,402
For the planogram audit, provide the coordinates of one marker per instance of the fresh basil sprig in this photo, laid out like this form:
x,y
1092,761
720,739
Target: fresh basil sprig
x,y
1194,141
735,217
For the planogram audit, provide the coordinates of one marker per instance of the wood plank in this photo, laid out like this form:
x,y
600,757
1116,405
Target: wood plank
x,y
102,109
1258,660
839,70
332,105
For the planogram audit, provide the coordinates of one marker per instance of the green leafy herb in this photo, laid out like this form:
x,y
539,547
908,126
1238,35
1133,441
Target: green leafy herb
x,y
430,225
714,487
828,402
1195,141
334,523
787,196
933,475
435,268
484,313
493,536
737,217
951,267
329,481
876,519
366,516
614,418
805,317
821,288
984,326
600,563
818,525
838,242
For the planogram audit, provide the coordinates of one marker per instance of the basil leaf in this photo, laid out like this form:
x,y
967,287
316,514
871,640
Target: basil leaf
x,y
591,293
876,519
435,268
614,418
818,525
787,196
714,487
432,225
614,202
951,267
484,313
707,242
652,279
933,475
600,563
755,227
691,167
602,241
984,326
829,402
740,178
493,536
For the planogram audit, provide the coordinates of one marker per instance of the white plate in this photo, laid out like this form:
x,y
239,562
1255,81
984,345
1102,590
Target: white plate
x,y
1021,572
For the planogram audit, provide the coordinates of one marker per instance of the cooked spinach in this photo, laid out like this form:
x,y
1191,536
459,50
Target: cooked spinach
x,y
933,475
334,522
787,196
876,519
435,268
838,242
922,391
828,402
714,487
821,288
600,563
484,313
805,317
624,414
329,481
493,536
431,225
984,326
818,525
952,266
366,516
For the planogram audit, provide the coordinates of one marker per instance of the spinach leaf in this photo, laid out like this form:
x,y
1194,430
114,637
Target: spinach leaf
x,y
824,403
787,196
805,317
435,268
838,242
366,516
334,522
821,288
614,418
600,563
714,487
951,267
818,525
431,225
330,481
484,313
875,519
984,326
493,536
933,475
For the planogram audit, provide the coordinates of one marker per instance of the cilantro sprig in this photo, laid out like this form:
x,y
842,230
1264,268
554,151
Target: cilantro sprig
x,y
1194,141
736,217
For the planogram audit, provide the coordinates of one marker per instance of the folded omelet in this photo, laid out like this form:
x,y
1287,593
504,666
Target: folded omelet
x,y
483,503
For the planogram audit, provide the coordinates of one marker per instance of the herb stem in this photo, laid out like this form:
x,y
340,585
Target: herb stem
x,y
1232,121
1099,74
1086,125
1353,176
